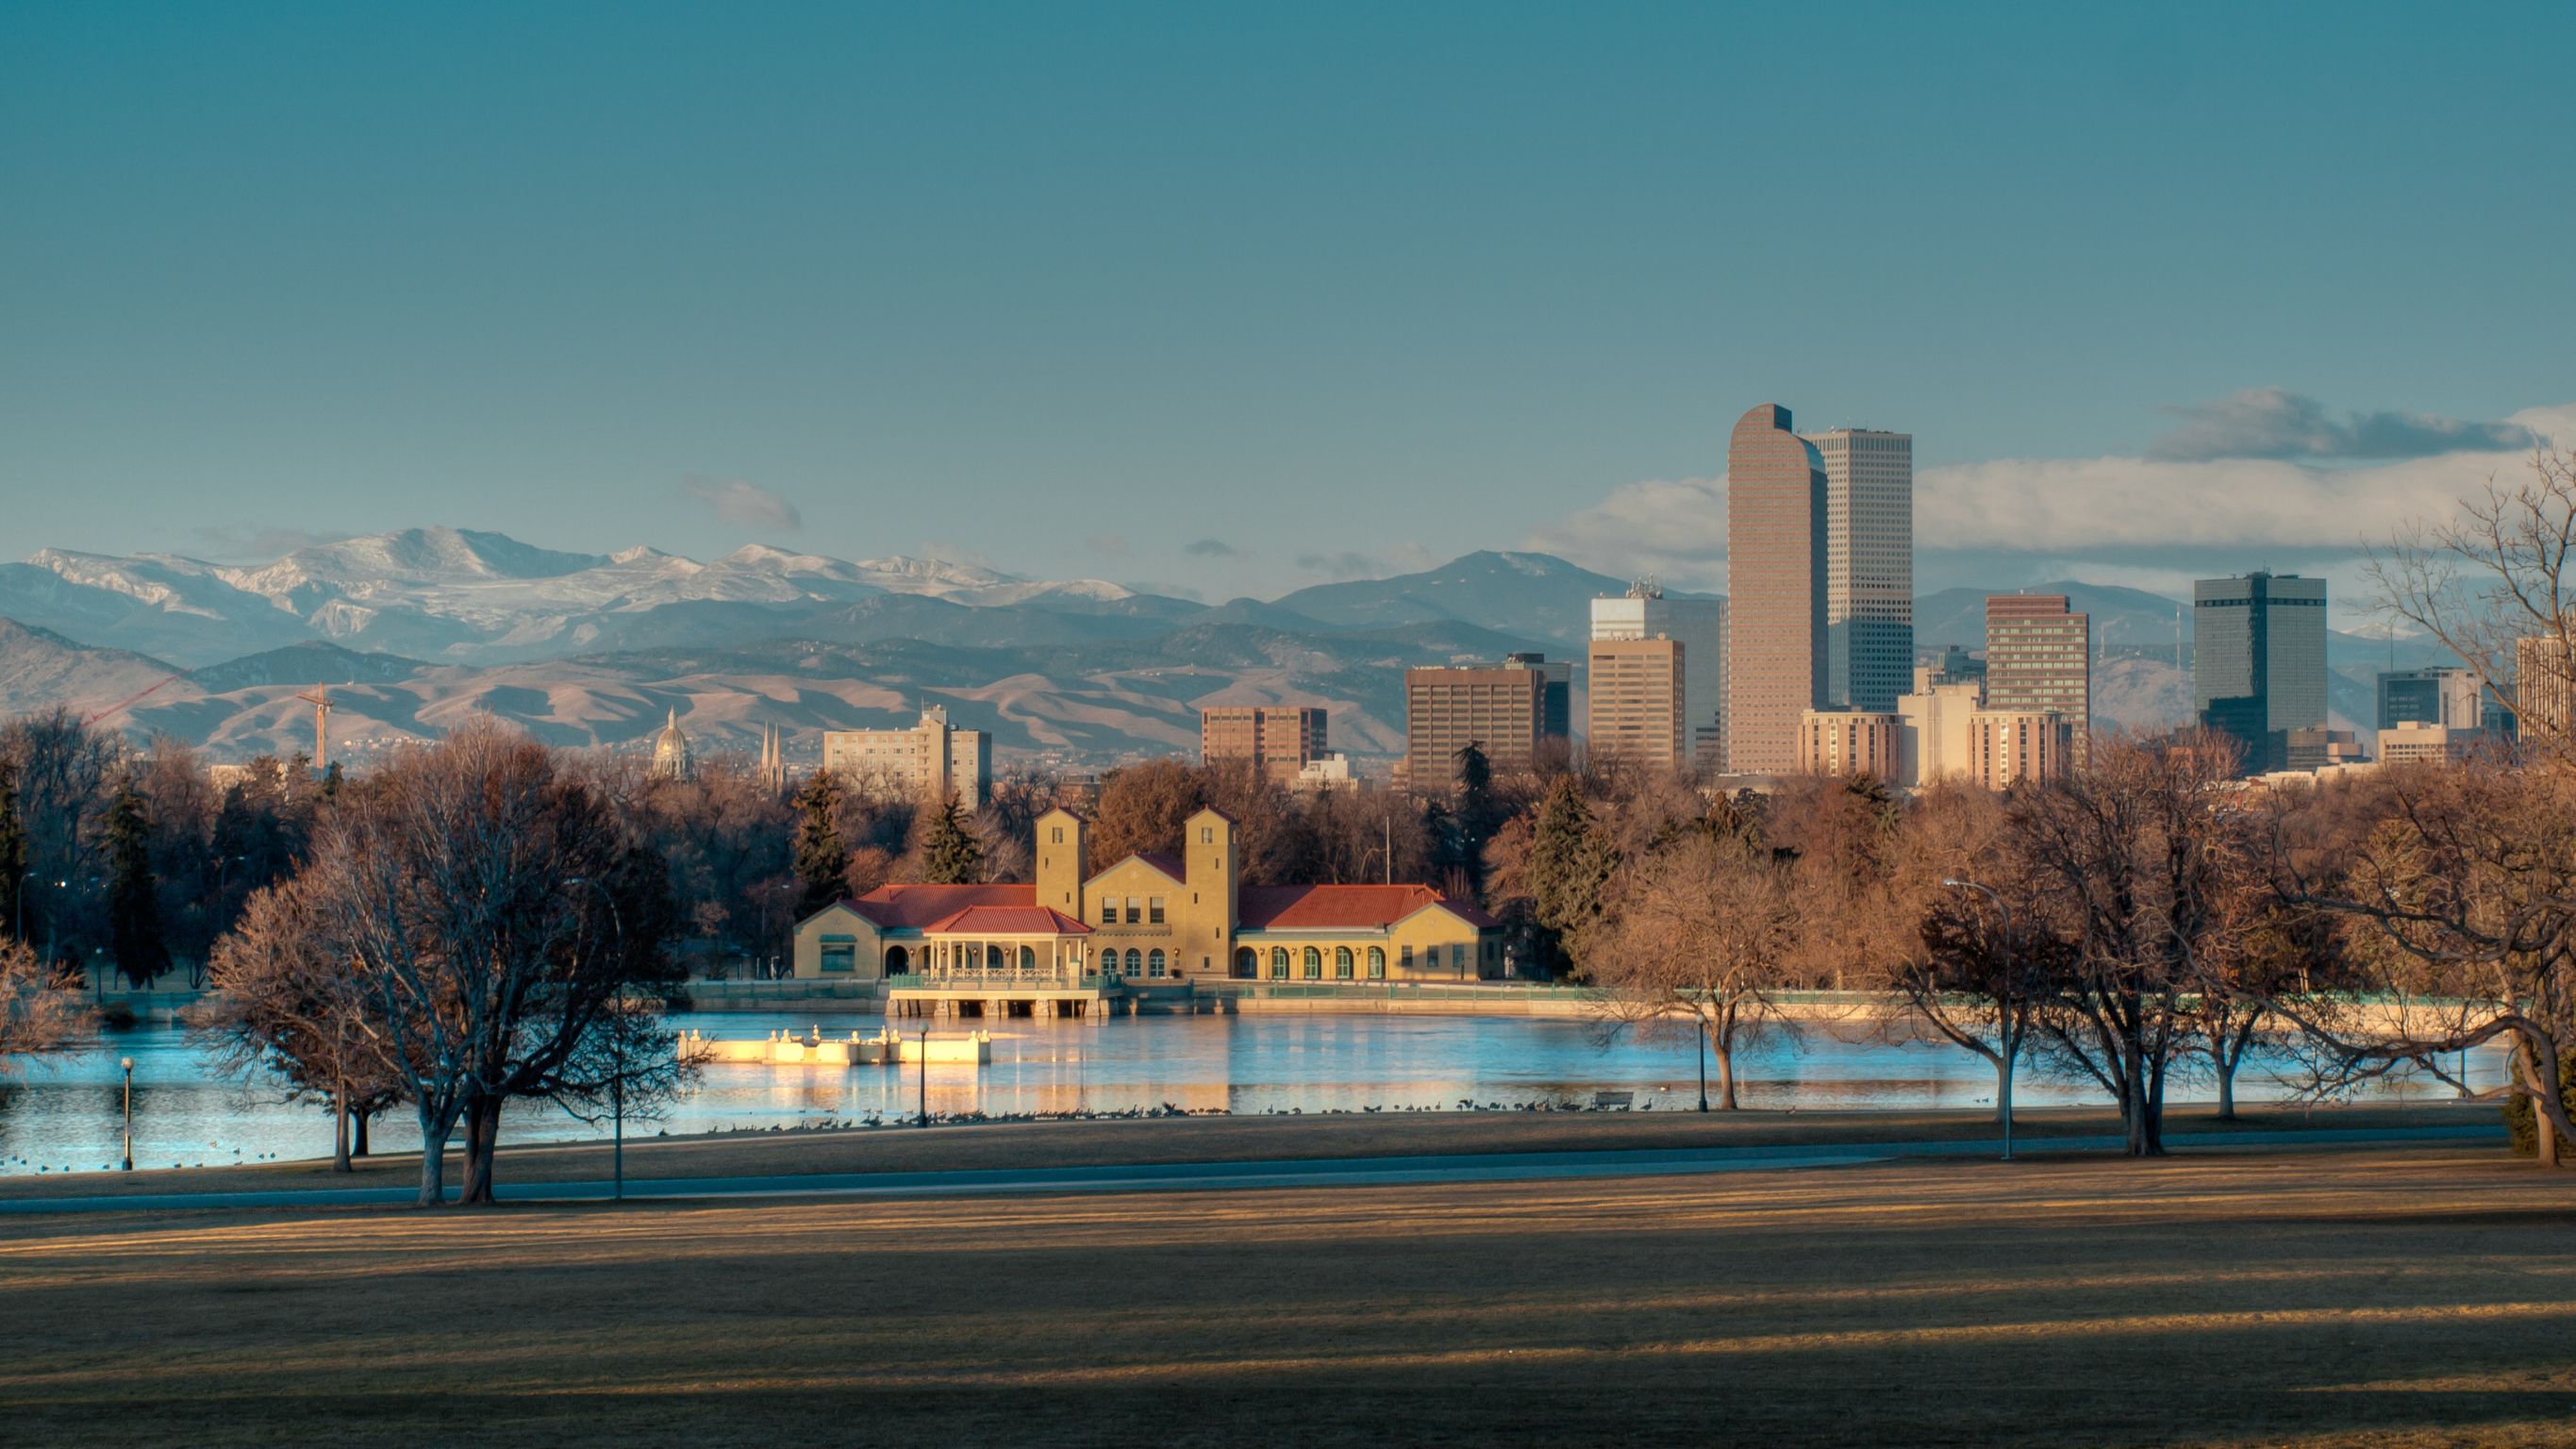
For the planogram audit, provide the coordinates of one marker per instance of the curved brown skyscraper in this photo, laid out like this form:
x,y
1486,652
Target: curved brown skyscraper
x,y
1775,574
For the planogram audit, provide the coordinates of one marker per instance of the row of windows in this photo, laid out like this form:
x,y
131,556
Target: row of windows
x,y
1247,962
1308,962
1148,964
1147,911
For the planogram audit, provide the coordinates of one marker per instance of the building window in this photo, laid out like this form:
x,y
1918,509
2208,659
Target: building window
x,y
1458,958
840,954
1377,963
1407,960
1028,961
1154,910
1154,965
1314,964
1135,911
1109,910
1059,836
1136,962
1341,963
897,960
1247,964
1278,963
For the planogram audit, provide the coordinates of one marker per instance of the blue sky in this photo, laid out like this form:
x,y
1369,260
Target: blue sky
x,y
1230,299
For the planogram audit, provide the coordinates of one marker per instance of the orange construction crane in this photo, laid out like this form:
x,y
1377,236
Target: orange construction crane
x,y
320,699
123,705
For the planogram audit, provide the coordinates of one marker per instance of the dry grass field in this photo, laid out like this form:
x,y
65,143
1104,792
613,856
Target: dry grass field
x,y
2397,1296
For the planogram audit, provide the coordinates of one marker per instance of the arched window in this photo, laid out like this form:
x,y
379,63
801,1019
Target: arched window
x,y
1154,964
1278,963
1028,961
1314,964
1377,963
1247,964
1341,963
994,960
1135,962
897,961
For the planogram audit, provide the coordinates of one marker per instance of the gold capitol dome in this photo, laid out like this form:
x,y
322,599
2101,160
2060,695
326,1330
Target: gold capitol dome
x,y
672,758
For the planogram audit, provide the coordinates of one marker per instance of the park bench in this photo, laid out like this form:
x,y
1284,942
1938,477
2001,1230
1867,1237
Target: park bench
x,y
1604,1101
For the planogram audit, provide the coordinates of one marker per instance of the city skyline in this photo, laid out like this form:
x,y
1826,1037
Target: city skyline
x,y
1179,300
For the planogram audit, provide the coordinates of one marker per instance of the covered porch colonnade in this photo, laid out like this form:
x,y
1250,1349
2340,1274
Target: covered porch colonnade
x,y
994,961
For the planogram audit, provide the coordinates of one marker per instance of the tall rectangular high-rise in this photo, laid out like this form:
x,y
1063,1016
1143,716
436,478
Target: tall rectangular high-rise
x,y
2039,657
2258,666
2544,690
1633,706
934,759
1277,739
1699,626
1508,711
1869,565
1776,666
2448,697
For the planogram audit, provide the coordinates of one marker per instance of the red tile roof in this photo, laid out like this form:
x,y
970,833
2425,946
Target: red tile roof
x,y
901,907
1343,907
1166,862
1009,921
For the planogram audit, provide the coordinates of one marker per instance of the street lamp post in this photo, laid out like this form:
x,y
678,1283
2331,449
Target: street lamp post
x,y
1699,1030
128,1064
925,1073
2008,1037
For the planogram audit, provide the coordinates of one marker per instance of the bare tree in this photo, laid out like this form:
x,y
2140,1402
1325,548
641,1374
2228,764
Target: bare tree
x,y
280,1002
2136,865
1970,966
2462,910
1698,936
42,1010
2468,890
499,919
2495,584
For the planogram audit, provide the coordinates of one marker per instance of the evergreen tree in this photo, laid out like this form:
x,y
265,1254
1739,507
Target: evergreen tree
x,y
1477,817
1569,865
822,857
950,853
133,897
13,854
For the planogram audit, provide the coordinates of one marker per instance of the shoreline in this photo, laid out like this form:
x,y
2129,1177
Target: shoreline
x,y
1214,1138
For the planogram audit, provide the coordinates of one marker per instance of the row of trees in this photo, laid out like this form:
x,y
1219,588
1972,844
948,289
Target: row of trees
x,y
2149,915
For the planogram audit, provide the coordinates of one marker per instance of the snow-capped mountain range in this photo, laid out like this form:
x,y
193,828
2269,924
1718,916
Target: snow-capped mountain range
x,y
467,596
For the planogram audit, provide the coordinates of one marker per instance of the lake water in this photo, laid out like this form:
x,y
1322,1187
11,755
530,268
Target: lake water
x,y
63,1114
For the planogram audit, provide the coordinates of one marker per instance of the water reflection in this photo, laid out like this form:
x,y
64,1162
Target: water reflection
x,y
64,1115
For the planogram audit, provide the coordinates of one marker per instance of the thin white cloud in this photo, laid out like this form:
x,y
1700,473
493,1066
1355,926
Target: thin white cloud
x,y
2069,507
745,504
1674,529
2274,422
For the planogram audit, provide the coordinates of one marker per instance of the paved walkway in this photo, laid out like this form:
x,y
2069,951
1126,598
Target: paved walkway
x,y
1275,1173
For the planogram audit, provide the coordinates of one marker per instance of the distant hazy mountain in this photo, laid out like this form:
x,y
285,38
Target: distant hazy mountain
x,y
1535,595
1078,692
40,669
460,595
413,629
